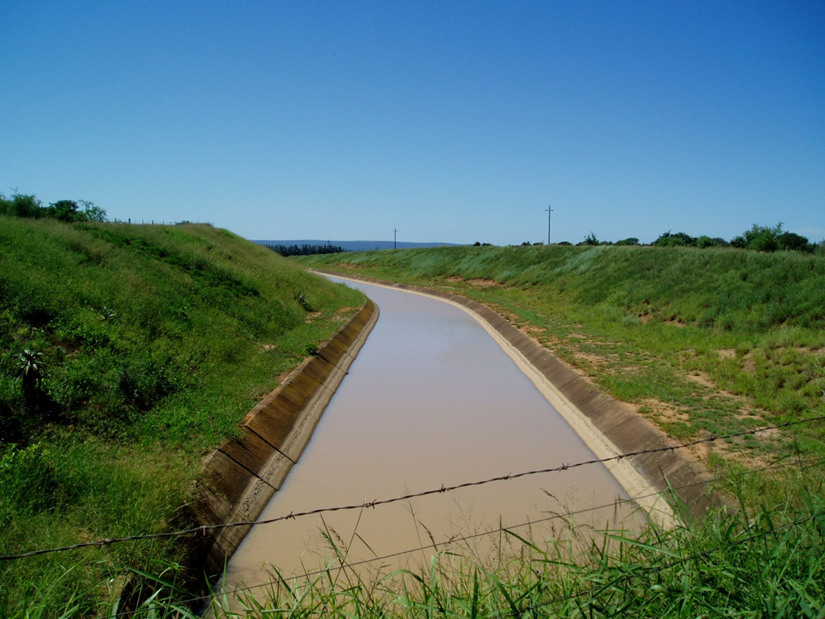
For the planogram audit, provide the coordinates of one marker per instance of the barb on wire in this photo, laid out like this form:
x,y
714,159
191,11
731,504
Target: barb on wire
x,y
407,497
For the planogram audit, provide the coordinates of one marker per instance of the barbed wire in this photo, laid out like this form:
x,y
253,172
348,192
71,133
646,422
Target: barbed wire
x,y
780,463
202,530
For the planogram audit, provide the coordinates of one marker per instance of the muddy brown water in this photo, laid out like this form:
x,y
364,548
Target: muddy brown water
x,y
431,401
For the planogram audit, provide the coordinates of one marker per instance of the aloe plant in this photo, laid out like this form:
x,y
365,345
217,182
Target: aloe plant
x,y
31,370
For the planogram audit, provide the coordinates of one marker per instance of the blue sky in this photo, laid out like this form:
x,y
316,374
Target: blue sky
x,y
450,121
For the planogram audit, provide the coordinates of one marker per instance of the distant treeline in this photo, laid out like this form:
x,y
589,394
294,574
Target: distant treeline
x,y
758,238
20,205
305,250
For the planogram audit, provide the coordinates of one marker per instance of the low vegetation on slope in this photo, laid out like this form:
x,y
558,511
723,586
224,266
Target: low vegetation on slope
x,y
127,352
701,342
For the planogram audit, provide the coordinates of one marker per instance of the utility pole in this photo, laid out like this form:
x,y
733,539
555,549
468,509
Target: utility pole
x,y
394,238
549,215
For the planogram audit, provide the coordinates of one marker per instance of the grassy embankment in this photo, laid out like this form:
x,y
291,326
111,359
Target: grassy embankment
x,y
147,345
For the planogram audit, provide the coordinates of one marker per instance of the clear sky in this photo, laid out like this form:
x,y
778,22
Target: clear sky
x,y
450,121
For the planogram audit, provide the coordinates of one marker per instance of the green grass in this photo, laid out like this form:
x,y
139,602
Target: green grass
x,y
701,342
157,340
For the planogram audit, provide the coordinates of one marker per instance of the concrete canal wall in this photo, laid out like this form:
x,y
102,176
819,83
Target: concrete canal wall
x,y
240,477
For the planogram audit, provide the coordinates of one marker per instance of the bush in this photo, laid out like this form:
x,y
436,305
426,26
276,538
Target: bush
x,y
590,239
679,239
29,484
762,238
20,205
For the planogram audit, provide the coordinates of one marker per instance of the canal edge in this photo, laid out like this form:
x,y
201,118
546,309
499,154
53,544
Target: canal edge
x,y
607,426
240,477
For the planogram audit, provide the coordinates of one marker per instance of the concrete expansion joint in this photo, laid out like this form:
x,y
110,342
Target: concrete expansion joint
x,y
243,466
240,477
264,439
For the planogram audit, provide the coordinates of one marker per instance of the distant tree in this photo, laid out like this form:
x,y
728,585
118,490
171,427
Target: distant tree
x,y
763,238
629,241
65,210
590,239
92,211
679,239
21,205
564,243
795,242
305,249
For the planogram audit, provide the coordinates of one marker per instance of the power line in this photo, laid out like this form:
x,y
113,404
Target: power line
x,y
202,530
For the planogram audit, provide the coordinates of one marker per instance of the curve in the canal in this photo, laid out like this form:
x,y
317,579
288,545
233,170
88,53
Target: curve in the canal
x,y
430,400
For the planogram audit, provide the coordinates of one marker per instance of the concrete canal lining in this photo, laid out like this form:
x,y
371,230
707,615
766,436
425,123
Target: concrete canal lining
x,y
240,477
607,426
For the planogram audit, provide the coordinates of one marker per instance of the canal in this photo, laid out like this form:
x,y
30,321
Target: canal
x,y
431,400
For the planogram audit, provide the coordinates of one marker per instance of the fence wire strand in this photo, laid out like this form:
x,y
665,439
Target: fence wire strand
x,y
202,530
